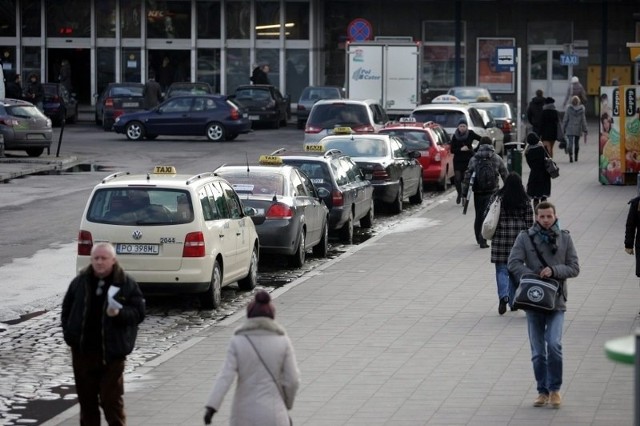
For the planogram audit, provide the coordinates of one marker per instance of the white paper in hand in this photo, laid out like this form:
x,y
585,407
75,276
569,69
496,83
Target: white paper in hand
x,y
110,300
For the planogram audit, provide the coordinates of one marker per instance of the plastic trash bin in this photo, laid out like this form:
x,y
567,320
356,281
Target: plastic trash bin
x,y
514,157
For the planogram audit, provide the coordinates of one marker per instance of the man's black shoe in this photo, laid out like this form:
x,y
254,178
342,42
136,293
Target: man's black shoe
x,y
484,244
502,307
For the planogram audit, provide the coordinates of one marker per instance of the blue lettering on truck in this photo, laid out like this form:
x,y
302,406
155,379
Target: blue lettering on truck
x,y
364,74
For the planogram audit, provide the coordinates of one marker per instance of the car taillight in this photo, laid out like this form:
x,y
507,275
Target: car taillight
x,y
363,129
85,243
312,129
337,199
301,108
437,157
9,122
279,211
108,102
380,173
235,114
194,245
117,113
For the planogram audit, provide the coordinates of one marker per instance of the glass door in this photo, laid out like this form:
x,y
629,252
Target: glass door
x,y
547,73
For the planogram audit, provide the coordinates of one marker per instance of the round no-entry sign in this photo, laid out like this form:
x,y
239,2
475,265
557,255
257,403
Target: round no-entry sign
x,y
359,30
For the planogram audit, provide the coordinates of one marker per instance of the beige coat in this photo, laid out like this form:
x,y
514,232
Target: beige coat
x,y
257,400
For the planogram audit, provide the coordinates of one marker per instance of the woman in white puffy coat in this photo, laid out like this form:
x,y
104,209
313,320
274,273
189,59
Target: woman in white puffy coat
x,y
257,345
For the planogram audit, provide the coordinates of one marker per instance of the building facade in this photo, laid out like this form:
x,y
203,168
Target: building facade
x,y
221,41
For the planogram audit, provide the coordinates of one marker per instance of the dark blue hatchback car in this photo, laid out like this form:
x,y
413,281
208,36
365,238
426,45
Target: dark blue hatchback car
x,y
213,116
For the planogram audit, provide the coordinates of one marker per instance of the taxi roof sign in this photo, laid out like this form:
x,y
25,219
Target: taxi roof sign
x,y
270,159
446,99
164,170
407,120
342,130
314,148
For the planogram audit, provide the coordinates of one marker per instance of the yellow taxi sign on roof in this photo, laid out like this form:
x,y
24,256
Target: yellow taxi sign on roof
x,y
342,131
164,170
407,120
314,148
270,159
446,99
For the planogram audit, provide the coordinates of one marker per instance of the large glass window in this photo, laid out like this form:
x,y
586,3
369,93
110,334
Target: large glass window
x,y
130,18
271,57
8,55
131,65
8,18
106,67
267,20
208,14
30,62
237,18
297,77
30,17
168,19
106,18
72,20
297,20
209,68
439,59
237,68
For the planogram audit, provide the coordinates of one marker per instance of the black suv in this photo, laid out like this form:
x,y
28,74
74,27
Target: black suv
x,y
265,104
350,196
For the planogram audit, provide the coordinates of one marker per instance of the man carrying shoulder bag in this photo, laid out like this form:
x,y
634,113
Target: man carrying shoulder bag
x,y
556,249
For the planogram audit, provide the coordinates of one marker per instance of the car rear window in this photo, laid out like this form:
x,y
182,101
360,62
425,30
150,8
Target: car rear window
x,y
126,91
140,206
413,139
358,147
255,183
445,118
316,171
24,111
315,94
328,116
254,94
50,89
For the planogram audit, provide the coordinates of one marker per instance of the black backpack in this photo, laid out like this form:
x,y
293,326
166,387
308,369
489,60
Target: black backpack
x,y
485,180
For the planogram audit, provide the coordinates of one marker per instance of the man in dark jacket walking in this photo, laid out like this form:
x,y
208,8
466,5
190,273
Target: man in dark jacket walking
x,y
534,111
152,92
100,315
487,168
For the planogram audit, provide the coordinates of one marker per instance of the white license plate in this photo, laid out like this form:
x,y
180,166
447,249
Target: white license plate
x,y
129,104
137,248
254,117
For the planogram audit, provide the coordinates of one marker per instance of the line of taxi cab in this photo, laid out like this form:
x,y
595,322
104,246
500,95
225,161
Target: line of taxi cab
x,y
296,218
392,168
174,233
349,196
430,140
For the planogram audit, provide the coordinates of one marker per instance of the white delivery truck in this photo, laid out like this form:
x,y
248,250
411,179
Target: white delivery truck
x,y
387,71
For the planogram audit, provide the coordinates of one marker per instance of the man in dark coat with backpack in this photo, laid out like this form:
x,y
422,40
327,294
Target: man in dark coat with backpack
x,y
483,175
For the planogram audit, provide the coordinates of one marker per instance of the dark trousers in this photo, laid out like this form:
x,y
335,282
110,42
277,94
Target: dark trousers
x,y
99,384
458,177
480,203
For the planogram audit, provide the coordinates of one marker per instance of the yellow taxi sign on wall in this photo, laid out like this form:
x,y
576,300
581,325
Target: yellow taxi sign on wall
x,y
164,170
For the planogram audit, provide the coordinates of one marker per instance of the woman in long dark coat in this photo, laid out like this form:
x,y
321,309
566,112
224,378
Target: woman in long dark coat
x,y
539,183
516,215
631,234
549,125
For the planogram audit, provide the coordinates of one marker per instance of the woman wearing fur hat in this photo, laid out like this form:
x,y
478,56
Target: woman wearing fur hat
x,y
260,354
462,150
539,183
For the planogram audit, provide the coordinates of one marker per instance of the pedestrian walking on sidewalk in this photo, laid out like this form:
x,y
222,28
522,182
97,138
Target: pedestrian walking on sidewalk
x,y
574,125
545,328
516,215
34,92
575,89
631,234
539,183
549,125
100,315
151,92
534,111
260,354
487,168
462,149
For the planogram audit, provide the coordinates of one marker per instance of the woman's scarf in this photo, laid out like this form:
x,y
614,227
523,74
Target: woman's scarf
x,y
550,235
461,136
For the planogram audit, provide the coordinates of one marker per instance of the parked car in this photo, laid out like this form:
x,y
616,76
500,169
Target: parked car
x,y
213,116
312,94
392,168
366,116
58,104
493,131
296,219
264,103
174,233
117,99
349,195
186,88
504,116
24,127
430,140
447,114
471,93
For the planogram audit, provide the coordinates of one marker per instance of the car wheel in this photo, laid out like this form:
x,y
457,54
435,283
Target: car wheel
x,y
346,232
322,249
419,195
231,136
396,206
134,131
367,221
34,152
212,298
215,132
251,280
297,260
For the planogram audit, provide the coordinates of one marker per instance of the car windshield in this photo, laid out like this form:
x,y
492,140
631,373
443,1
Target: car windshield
x,y
495,110
124,91
358,147
413,139
331,115
470,93
141,206
24,111
255,94
255,182
445,118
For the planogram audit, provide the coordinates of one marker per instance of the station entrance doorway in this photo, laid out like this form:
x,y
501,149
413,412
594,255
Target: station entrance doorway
x,y
79,60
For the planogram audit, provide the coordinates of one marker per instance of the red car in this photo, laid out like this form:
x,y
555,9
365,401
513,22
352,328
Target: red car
x,y
433,143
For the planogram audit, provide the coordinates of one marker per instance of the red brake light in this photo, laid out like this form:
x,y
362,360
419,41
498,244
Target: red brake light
x,y
301,108
85,243
108,102
194,245
363,129
380,173
235,114
337,199
117,113
312,129
279,211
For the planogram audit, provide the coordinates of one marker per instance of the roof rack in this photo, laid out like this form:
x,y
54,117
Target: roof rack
x,y
113,176
200,176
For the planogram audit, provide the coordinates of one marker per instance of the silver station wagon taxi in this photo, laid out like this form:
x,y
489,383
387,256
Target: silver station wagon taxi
x,y
174,233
